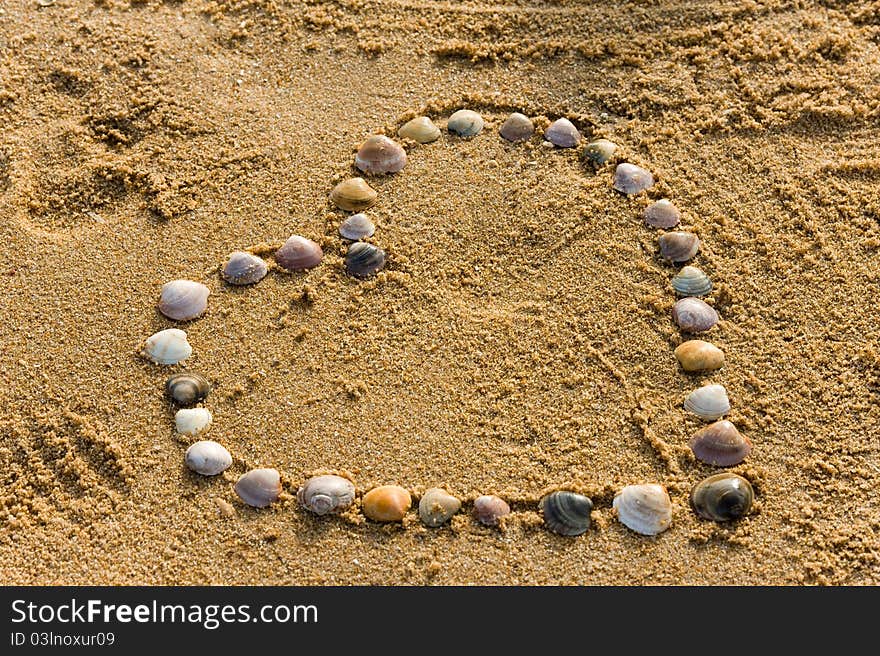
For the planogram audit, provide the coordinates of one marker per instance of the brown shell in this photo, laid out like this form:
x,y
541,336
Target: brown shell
x,y
353,195
693,315
379,154
697,355
720,444
299,253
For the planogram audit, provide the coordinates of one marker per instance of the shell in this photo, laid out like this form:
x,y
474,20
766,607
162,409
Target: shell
x,y
244,268
697,355
259,487
379,154
720,444
645,509
387,503
187,388
678,246
183,300
722,497
192,421
691,281
420,129
465,123
709,402
299,253
562,133
326,494
437,506
208,458
357,226
489,509
168,346
599,152
566,513
517,127
632,179
353,195
693,315
363,259
662,214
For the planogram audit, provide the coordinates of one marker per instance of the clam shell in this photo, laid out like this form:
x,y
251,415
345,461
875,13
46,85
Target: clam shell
x,y
697,355
678,246
631,179
465,123
326,494
259,487
299,253
387,503
192,421
379,154
489,509
357,226
353,195
437,506
244,268
183,300
693,315
167,346
722,497
720,444
566,513
420,129
562,133
363,259
709,402
517,127
662,214
645,509
691,281
208,458
599,152
187,388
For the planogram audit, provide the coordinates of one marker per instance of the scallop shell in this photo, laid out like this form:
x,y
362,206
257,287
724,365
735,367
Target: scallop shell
x,y
353,195
662,214
693,315
489,509
691,281
645,509
697,355
437,506
299,253
599,152
709,402
387,503
678,246
562,133
183,300
720,444
259,487
420,129
566,513
167,346
363,259
465,123
631,179
326,494
244,268
187,388
208,458
379,154
722,497
517,127
192,421
357,226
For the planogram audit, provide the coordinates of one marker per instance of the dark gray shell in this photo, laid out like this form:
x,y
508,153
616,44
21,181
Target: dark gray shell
x,y
691,281
722,497
489,509
187,388
364,259
693,315
517,127
566,513
357,226
662,214
562,133
631,179
678,246
599,152
244,268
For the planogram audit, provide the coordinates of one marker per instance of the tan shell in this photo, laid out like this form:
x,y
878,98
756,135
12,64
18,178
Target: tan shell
x,y
259,487
720,444
167,346
678,246
299,253
437,506
662,214
697,355
693,315
353,195
645,509
379,154
183,300
709,402
489,509
420,129
386,503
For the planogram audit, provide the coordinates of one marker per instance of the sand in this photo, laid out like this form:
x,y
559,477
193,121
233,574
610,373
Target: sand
x,y
519,339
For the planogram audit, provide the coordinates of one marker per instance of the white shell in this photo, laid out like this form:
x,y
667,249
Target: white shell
x,y
465,123
192,421
645,509
168,346
709,402
208,458
243,268
183,300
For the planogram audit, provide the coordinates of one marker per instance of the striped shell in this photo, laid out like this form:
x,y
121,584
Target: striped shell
x,y
720,444
562,133
645,509
517,127
243,268
697,355
183,300
167,346
379,154
259,487
662,214
631,179
678,246
566,513
187,388
353,195
326,494
208,458
420,129
489,509
363,259
693,315
299,253
465,123
691,281
722,497
599,152
709,402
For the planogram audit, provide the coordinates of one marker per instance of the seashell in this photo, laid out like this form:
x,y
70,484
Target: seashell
x,y
363,259
326,494
187,388
697,355
720,444
693,315
566,513
645,509
259,487
722,497
662,214
562,133
183,300
691,281
353,195
192,421
244,268
599,152
678,246
299,253
437,506
489,509
168,346
421,129
357,226
387,503
709,402
465,123
517,127
208,458
632,179
379,154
